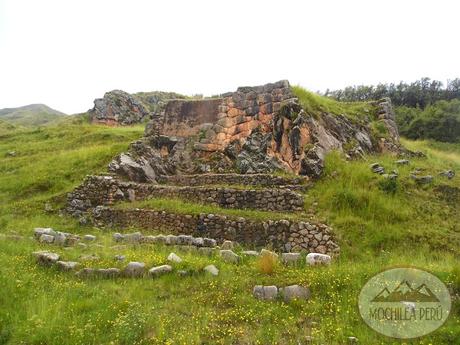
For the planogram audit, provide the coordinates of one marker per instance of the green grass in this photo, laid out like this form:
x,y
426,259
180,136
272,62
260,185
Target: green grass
x,y
193,208
315,105
413,226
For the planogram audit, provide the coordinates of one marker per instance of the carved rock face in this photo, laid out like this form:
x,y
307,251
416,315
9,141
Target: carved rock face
x,y
253,130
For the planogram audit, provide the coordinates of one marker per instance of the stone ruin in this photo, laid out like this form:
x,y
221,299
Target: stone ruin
x,y
192,147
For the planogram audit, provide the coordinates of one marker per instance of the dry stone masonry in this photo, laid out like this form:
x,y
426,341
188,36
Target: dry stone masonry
x,y
282,235
105,190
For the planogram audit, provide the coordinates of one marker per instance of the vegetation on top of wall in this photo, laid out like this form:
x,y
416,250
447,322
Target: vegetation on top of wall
x,y
315,105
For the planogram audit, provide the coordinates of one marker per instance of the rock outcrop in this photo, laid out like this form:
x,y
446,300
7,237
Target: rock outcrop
x,y
121,108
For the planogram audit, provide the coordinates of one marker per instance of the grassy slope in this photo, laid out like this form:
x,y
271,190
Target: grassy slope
x,y
42,306
30,115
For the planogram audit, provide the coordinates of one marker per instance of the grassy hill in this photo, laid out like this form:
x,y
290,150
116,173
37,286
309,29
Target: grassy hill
x,y
30,115
378,225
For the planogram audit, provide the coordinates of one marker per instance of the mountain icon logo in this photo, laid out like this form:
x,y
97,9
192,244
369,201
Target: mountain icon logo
x,y
405,293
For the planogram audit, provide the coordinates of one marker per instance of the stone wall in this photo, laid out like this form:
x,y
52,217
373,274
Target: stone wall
x,y
265,180
105,190
281,235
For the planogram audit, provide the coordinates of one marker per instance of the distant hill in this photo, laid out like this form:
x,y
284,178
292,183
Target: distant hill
x,y
30,115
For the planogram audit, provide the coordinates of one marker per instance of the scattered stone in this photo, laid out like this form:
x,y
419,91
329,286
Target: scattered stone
x,y
46,258
134,237
290,258
229,256
318,259
174,258
89,238
209,242
422,179
134,269
43,231
206,251
85,273
119,257
352,340
377,168
172,240
448,173
402,162
267,293
11,154
117,237
157,271
268,252
90,257
66,265
183,273
213,270
82,245
46,238
294,292
108,272
250,253
227,245
198,241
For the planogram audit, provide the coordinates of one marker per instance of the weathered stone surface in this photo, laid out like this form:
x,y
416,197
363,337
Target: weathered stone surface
x,y
227,245
265,292
174,258
294,292
46,238
118,108
250,253
211,269
119,257
43,231
112,272
450,174
290,258
134,269
422,179
229,256
46,258
159,270
318,259
66,265
268,252
89,238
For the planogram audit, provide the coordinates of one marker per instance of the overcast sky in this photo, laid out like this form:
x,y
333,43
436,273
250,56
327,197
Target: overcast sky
x,y
65,53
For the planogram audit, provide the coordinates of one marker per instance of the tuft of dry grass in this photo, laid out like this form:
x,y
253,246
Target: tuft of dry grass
x,y
267,264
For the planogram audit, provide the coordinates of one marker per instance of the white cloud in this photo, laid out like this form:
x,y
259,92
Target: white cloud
x,y
66,53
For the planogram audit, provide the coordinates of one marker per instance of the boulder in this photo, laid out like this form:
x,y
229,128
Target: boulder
x,y
227,245
89,238
250,253
46,238
43,231
448,173
117,237
229,256
174,258
108,272
46,258
134,237
265,292
209,242
211,269
290,258
159,270
294,292
318,259
134,269
268,252
86,273
66,265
